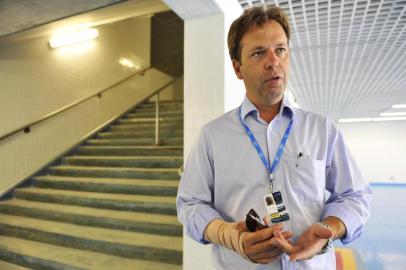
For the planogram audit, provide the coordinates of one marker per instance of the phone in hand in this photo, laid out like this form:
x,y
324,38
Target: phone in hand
x,y
254,222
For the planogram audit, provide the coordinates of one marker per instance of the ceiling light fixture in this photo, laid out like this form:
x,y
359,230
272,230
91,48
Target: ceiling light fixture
x,y
127,63
73,37
380,119
371,119
399,106
393,114
353,120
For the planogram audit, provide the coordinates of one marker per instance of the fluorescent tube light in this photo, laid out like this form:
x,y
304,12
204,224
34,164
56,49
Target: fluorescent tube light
x,y
375,119
380,119
393,114
399,106
127,63
353,120
73,37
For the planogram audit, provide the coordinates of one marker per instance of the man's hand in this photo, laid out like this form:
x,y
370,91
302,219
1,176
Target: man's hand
x,y
260,246
308,245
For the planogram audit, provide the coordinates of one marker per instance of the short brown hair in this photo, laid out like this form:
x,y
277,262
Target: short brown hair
x,y
254,17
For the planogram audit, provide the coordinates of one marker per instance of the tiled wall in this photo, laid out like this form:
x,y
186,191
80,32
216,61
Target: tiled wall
x,y
36,80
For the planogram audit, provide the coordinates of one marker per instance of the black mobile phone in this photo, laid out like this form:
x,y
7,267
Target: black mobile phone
x,y
254,222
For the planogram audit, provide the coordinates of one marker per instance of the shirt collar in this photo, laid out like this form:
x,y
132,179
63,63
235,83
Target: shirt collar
x,y
286,110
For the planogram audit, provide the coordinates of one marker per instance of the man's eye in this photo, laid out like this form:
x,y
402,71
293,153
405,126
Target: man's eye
x,y
280,51
257,53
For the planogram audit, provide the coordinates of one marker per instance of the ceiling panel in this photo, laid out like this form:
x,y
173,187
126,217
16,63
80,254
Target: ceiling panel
x,y
348,58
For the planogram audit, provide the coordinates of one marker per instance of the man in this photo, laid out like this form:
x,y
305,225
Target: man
x,y
267,148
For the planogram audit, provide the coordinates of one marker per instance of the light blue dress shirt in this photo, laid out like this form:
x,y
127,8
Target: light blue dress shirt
x,y
224,178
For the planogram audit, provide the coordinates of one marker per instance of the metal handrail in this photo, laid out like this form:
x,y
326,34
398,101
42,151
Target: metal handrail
x,y
156,93
26,128
157,119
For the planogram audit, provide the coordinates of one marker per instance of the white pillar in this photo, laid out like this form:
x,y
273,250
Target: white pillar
x,y
210,86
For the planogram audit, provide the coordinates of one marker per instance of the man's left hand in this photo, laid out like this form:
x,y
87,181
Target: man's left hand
x,y
308,244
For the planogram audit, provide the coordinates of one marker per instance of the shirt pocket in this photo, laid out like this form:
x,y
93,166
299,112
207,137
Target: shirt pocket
x,y
306,178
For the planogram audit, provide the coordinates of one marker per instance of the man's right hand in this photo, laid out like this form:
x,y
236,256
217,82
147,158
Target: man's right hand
x,y
260,246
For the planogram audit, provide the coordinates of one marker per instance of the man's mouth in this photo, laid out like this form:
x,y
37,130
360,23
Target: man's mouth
x,y
274,78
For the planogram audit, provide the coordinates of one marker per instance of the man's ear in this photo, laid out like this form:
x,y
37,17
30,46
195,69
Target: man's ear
x,y
237,69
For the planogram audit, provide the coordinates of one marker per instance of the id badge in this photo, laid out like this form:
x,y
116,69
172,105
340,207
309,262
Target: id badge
x,y
275,207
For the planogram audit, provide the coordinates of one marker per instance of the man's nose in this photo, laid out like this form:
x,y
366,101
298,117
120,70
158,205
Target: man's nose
x,y
272,60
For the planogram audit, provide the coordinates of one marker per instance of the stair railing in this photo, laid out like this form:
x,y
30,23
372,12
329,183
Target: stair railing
x,y
27,127
157,119
157,95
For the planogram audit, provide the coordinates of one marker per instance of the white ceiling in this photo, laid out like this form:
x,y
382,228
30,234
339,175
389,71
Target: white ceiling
x,y
35,19
348,58
19,15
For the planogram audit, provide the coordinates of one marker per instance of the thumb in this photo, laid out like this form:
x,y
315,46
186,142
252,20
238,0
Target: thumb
x,y
266,220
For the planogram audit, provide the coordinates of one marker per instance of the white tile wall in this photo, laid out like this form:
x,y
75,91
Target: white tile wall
x,y
23,154
36,80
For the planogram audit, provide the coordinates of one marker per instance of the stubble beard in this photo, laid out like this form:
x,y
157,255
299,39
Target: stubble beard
x,y
272,95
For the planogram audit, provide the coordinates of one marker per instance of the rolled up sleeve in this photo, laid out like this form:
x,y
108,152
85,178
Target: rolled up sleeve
x,y
350,192
194,201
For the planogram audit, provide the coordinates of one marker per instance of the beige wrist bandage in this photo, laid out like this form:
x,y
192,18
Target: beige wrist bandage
x,y
225,234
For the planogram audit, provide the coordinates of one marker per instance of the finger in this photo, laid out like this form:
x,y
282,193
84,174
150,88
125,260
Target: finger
x,y
261,235
279,234
267,246
287,234
266,220
265,255
268,259
304,254
285,245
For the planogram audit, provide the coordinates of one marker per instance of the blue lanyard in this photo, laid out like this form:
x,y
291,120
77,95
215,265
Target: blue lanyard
x,y
279,153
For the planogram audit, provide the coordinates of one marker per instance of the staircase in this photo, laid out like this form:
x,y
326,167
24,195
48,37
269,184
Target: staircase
x,y
109,204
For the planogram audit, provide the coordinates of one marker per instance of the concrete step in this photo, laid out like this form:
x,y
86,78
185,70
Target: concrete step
x,y
162,105
163,121
132,245
125,161
120,220
147,126
161,110
9,266
50,257
164,102
173,141
109,185
130,150
113,172
150,121
152,113
138,203
142,133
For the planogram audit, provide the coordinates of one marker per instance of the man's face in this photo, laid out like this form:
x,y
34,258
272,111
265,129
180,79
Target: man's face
x,y
264,63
